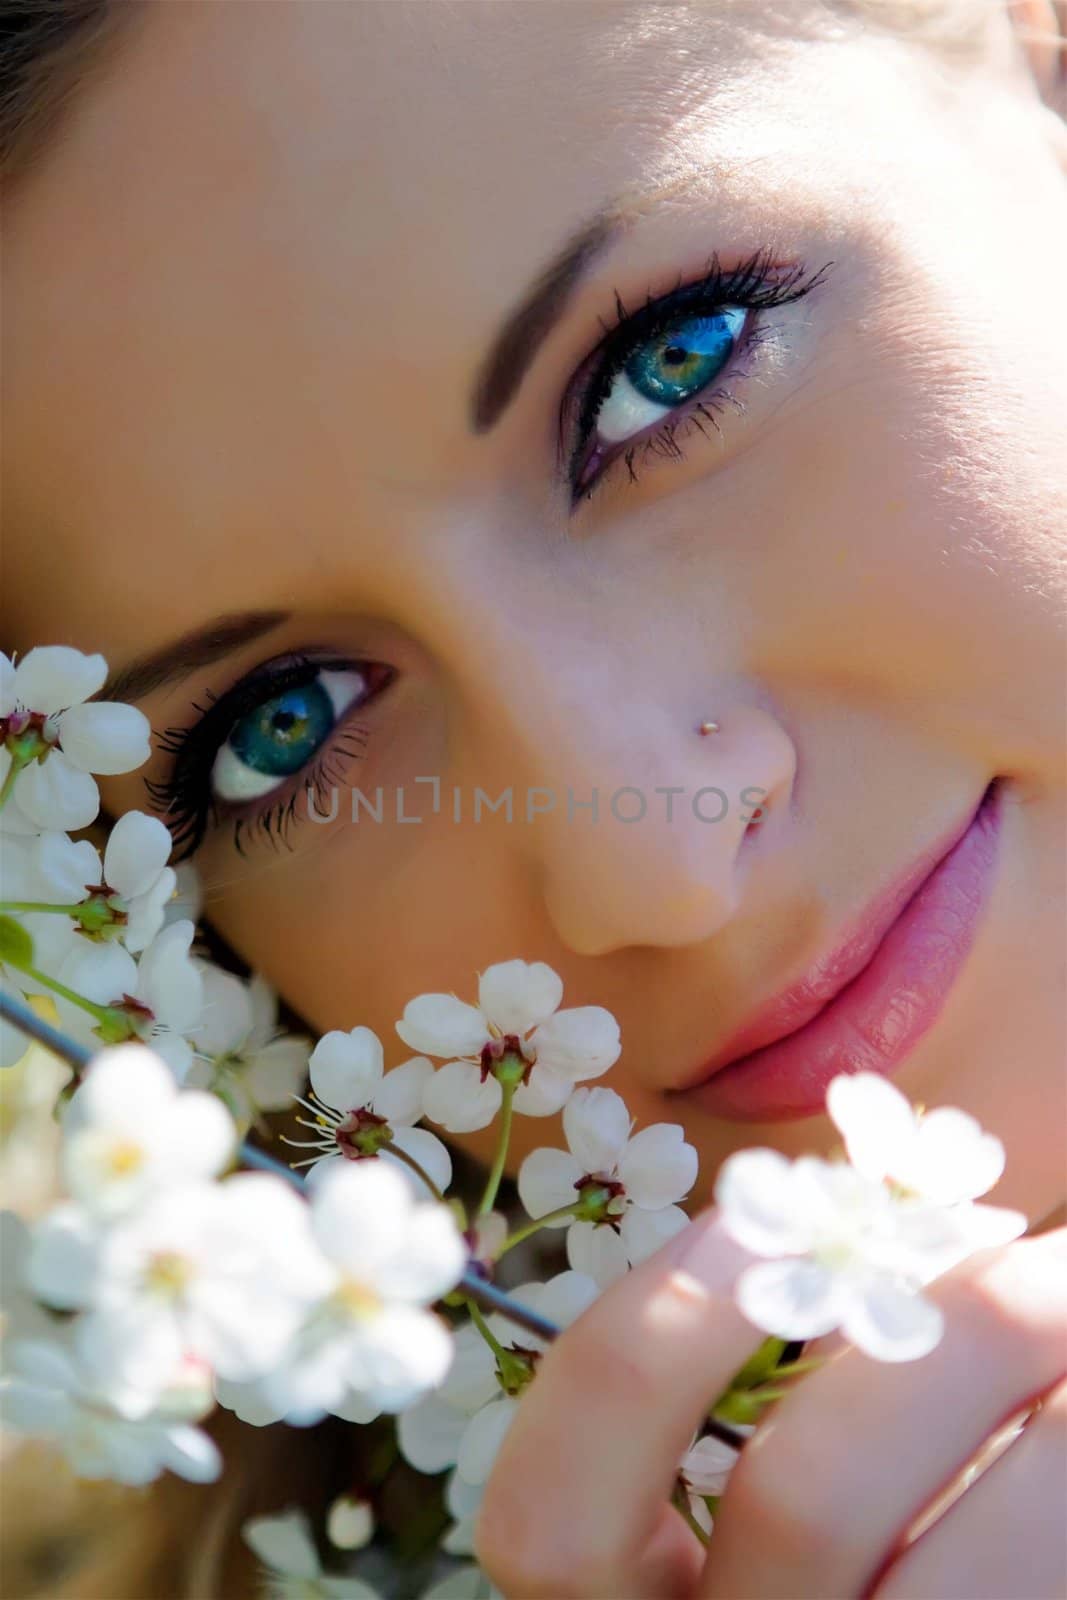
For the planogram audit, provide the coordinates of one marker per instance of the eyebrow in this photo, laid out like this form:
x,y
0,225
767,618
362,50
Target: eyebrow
x,y
200,648
525,330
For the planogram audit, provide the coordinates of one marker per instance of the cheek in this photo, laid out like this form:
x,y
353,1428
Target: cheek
x,y
913,554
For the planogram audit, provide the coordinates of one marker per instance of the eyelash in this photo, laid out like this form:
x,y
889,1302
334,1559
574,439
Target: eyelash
x,y
184,796
757,284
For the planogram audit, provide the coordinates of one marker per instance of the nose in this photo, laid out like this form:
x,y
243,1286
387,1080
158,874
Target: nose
x,y
635,822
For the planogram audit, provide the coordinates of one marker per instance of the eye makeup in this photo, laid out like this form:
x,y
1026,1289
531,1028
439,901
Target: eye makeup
x,y
669,362
289,725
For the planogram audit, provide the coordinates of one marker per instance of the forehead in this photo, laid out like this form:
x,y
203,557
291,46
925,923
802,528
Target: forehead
x,y
261,267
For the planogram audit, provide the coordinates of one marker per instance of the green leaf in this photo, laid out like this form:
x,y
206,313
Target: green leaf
x,y
16,945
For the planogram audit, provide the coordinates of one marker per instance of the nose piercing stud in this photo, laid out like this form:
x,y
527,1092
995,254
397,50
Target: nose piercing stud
x,y
708,727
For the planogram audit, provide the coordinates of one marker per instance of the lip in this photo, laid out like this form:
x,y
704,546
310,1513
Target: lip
x,y
866,1005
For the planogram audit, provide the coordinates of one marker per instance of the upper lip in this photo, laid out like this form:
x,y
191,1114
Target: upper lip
x,y
797,1004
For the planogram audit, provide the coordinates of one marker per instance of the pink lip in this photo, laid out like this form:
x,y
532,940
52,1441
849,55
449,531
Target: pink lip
x,y
864,1007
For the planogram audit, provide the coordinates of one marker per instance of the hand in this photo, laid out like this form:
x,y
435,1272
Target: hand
x,y
819,1503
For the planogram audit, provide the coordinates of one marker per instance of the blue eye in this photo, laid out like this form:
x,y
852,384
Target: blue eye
x,y
282,734
664,372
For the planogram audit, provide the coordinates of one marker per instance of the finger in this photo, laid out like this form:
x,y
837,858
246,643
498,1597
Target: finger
x,y
575,1503
849,1459
995,1541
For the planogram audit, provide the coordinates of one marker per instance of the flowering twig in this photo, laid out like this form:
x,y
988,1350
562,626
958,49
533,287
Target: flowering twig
x,y
476,1288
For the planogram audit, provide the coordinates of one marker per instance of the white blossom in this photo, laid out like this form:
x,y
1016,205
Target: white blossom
x,y
704,1471
46,723
222,1272
465,1421
129,1132
361,1111
627,1186
292,1569
160,996
389,1256
242,1054
50,1395
517,1019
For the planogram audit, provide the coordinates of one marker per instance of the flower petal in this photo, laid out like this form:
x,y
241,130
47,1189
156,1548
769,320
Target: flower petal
x,y
284,1544
597,1125
875,1121
189,1453
225,1015
708,1465
458,1100
596,1250
138,848
277,1071
54,794
517,995
346,1068
441,1025
432,1156
889,1324
52,677
546,1093
168,981
755,1193
643,1232
793,1299
481,1442
105,737
429,1434
581,1043
64,1258
657,1166
952,1158
547,1181
398,1098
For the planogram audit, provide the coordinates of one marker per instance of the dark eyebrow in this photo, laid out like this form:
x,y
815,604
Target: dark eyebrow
x,y
522,333
199,648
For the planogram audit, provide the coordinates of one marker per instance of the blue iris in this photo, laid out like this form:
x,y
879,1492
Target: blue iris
x,y
680,362
282,734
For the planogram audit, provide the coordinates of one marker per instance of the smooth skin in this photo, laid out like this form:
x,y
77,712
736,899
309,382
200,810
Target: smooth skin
x,y
248,293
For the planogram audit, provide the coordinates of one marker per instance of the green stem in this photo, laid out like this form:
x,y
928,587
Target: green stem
x,y
793,1368
416,1167
507,1091
99,1012
680,1501
34,905
531,1228
9,782
486,1331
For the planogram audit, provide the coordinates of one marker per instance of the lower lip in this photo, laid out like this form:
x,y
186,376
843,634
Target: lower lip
x,y
877,1019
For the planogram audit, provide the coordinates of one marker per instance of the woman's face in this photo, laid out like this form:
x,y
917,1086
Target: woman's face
x,y
257,370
